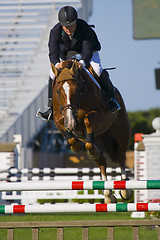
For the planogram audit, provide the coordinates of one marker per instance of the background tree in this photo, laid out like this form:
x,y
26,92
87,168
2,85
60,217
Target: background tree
x,y
141,122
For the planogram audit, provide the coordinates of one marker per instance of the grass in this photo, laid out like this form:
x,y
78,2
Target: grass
x,y
99,233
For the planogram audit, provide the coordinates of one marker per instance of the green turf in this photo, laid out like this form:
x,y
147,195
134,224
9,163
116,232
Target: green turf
x,y
99,233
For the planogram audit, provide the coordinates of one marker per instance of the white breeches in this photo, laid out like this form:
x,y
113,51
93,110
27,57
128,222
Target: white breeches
x,y
51,74
95,63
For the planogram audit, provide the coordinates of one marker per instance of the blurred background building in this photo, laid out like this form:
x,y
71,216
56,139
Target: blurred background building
x,y
24,69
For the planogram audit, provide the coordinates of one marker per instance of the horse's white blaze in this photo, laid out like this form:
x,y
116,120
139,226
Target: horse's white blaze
x,y
66,89
70,118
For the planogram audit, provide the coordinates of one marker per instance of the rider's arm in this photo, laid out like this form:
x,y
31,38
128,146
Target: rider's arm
x,y
89,40
53,45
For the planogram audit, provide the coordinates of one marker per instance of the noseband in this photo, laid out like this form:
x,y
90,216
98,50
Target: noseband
x,y
72,107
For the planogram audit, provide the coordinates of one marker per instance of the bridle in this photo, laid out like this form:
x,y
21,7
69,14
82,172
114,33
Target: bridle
x,y
74,108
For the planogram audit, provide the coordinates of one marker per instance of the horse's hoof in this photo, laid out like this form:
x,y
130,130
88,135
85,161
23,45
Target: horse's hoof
x,y
110,199
89,146
126,194
94,155
77,147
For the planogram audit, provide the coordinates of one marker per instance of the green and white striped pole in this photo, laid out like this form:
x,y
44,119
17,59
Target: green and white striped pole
x,y
78,185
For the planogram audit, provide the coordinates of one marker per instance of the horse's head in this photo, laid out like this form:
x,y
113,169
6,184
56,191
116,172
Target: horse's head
x,y
69,90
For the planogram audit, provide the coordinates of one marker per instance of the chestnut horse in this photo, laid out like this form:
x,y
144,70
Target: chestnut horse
x,y
83,119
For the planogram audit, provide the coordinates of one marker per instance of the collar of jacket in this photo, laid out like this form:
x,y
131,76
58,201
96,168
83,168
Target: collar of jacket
x,y
67,40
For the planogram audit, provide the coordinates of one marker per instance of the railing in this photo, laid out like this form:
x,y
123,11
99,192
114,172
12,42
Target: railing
x,y
65,174
24,30
25,174
60,225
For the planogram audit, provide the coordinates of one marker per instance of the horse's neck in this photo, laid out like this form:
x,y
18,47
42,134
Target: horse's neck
x,y
92,89
88,77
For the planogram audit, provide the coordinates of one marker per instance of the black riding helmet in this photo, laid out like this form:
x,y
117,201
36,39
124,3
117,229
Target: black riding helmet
x,y
67,16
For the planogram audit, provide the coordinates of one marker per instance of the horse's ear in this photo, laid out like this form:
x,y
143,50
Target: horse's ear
x,y
55,70
74,68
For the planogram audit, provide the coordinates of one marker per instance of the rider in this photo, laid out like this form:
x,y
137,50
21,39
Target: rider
x,y
74,34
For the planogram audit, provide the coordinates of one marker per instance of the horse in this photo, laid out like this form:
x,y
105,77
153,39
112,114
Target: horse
x,y
83,118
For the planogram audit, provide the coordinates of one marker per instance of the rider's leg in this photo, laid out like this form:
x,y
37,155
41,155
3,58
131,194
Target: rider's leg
x,y
109,91
105,82
46,115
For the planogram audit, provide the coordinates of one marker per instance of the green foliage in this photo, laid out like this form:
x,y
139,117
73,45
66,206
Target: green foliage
x,y
153,214
52,201
89,200
141,122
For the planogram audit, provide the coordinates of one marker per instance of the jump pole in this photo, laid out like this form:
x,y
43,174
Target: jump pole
x,y
78,185
69,207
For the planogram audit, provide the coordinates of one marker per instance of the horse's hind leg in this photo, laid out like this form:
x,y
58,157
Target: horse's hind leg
x,y
94,154
101,163
126,194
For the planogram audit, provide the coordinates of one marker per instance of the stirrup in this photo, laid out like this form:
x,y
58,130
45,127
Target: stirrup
x,y
115,107
41,112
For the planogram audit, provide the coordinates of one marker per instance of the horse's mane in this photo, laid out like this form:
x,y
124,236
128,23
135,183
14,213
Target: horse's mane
x,y
92,88
64,74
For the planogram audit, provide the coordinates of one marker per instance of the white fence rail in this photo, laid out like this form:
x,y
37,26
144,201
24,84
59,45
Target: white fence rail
x,y
46,174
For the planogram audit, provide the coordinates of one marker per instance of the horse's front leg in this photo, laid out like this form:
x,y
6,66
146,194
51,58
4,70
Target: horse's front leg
x,y
76,145
91,149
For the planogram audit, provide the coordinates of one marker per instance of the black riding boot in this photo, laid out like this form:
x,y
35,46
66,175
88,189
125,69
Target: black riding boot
x,y
109,91
47,114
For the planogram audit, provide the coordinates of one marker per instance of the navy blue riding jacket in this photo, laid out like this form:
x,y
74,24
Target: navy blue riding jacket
x,y
84,41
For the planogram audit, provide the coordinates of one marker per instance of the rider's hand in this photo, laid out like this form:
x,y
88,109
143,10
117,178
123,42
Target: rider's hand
x,y
59,65
80,65
64,64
